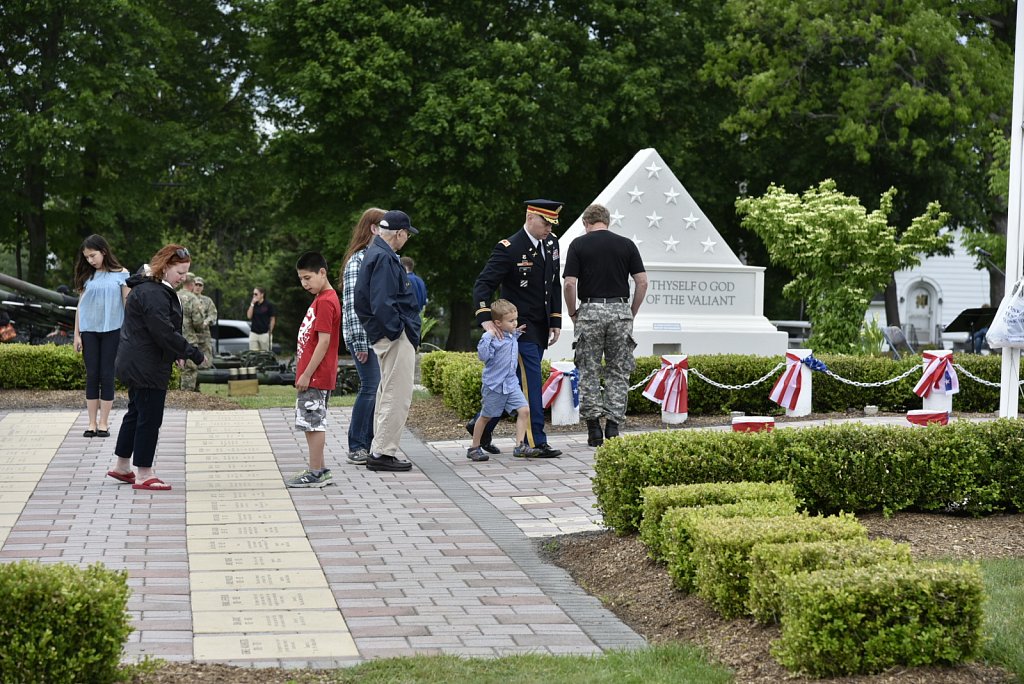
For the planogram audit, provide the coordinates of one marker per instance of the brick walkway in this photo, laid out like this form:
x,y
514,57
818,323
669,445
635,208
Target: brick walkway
x,y
231,566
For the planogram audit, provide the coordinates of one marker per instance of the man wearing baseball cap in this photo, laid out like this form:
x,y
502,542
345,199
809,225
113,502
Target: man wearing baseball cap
x,y
386,305
526,268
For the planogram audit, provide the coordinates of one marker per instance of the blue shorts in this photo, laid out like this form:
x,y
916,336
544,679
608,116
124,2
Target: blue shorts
x,y
495,403
311,410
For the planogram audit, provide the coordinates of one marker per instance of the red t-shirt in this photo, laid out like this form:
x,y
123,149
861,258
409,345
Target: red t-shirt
x,y
323,315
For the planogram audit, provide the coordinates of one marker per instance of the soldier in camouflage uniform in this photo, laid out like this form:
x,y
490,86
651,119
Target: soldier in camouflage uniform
x,y
598,267
209,310
191,325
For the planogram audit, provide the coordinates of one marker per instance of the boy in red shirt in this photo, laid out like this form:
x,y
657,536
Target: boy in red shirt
x,y
316,367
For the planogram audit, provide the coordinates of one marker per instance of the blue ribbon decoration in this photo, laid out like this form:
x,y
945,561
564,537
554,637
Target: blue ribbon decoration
x,y
574,377
814,364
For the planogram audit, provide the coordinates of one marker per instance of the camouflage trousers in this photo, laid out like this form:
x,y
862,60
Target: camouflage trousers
x,y
190,373
604,332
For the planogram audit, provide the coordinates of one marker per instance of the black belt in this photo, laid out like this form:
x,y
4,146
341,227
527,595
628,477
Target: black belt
x,y
605,300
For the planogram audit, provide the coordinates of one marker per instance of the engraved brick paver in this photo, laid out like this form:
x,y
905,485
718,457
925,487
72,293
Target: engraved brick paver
x,y
436,560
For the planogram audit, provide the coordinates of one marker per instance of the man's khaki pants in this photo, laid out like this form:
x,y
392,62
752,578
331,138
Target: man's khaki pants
x,y
394,393
260,342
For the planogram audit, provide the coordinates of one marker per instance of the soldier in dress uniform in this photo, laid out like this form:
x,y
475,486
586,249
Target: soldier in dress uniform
x,y
209,310
526,268
191,324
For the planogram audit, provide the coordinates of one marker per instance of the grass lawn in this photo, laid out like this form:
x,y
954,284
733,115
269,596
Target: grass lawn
x,y
668,663
1004,613
270,396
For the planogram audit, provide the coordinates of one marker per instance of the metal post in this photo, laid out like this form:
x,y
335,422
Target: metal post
x,y
1009,387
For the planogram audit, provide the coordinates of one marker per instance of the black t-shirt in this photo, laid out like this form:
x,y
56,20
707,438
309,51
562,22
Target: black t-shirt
x,y
602,262
261,315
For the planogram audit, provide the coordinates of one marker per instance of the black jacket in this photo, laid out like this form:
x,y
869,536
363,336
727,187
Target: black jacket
x,y
526,280
384,299
151,338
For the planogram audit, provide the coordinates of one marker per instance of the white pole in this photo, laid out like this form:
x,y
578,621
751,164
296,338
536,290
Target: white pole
x,y
1008,393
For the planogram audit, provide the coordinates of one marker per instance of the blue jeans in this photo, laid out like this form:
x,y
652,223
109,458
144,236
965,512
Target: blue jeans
x,y
360,430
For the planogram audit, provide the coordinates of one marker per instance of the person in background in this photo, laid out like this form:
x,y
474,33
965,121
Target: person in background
x,y
100,281
193,328
263,318
418,286
388,311
209,311
151,341
316,366
598,267
360,428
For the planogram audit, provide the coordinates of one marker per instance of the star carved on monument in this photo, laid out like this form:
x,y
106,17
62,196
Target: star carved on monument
x,y
635,194
670,196
670,244
691,221
617,219
709,245
653,170
637,241
654,221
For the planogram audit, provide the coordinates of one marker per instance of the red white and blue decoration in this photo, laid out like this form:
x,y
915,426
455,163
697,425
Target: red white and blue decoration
x,y
668,386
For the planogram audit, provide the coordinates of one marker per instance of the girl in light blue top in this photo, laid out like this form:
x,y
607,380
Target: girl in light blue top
x,y
100,282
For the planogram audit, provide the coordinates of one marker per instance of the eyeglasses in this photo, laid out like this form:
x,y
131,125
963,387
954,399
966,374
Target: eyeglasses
x,y
182,253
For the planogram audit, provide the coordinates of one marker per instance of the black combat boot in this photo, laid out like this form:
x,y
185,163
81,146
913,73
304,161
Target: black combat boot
x,y
611,429
594,436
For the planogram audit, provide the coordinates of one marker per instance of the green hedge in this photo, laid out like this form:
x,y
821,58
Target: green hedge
x,y
49,367
677,526
964,466
830,395
657,500
771,563
722,546
865,620
60,623
42,366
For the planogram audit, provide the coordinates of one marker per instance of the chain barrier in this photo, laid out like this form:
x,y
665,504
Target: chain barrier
x,y
719,385
981,381
818,365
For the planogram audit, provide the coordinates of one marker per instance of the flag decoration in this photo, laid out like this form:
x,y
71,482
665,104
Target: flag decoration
x,y
939,375
554,383
926,417
668,387
786,392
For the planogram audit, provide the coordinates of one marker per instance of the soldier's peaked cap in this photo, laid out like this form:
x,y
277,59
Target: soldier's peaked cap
x,y
546,209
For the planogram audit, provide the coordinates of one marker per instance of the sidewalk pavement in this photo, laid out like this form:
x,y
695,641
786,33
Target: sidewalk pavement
x,y
232,566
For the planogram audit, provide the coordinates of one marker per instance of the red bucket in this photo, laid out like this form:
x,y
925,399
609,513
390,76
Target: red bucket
x,y
753,424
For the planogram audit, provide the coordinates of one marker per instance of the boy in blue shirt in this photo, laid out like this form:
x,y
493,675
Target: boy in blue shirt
x,y
499,386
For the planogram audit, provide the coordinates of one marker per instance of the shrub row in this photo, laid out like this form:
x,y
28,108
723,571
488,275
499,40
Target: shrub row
x,y
970,467
48,367
60,623
847,605
657,500
462,392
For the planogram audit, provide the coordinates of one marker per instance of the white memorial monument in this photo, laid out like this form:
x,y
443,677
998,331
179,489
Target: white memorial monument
x,y
701,298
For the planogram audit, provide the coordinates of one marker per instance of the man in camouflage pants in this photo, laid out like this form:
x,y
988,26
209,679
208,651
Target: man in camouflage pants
x,y
209,310
598,267
191,326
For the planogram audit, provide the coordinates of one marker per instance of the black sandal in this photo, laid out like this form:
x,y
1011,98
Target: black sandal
x,y
89,433
103,433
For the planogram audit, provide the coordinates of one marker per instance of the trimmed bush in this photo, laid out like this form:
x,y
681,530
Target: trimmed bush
x,y
975,468
658,499
41,366
677,525
865,620
60,623
771,563
722,546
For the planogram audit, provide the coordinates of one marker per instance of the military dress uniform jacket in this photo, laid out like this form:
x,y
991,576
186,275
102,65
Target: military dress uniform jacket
x,y
526,280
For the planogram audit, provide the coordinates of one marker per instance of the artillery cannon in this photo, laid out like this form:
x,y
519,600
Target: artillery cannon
x,y
40,315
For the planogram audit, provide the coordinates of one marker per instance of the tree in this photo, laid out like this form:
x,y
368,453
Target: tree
x,y
874,94
840,255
